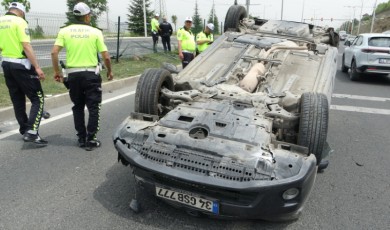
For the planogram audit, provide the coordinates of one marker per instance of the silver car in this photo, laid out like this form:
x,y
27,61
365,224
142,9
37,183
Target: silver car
x,y
241,131
367,54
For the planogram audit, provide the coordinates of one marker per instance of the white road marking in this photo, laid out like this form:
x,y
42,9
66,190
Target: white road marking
x,y
52,119
360,109
358,97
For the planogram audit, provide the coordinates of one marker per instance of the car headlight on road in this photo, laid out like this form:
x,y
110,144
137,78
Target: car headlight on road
x,y
290,194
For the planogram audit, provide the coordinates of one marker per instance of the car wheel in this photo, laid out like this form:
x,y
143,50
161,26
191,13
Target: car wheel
x,y
354,75
344,68
313,123
233,17
148,98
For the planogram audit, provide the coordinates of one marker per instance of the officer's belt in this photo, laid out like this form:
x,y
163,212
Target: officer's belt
x,y
15,60
186,51
23,61
76,70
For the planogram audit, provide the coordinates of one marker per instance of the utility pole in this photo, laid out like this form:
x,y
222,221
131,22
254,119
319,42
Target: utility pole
x,y
213,11
353,17
281,15
247,6
373,17
146,31
303,9
360,19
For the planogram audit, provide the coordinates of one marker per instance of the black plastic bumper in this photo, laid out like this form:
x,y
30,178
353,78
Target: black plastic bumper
x,y
247,200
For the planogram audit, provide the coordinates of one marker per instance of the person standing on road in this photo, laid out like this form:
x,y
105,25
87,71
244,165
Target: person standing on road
x,y
22,72
83,42
166,32
205,38
186,43
155,31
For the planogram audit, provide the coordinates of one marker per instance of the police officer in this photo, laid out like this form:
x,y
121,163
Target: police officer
x,y
83,42
22,72
205,38
155,31
186,42
166,32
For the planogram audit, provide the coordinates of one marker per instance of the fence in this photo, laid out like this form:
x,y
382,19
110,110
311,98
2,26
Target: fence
x,y
45,26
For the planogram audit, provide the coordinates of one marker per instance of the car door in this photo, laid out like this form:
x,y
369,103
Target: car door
x,y
350,51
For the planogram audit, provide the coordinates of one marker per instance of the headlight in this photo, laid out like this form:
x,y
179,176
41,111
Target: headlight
x,y
290,194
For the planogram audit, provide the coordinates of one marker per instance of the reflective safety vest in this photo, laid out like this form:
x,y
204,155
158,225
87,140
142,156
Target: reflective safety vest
x,y
154,24
187,40
82,43
203,36
13,31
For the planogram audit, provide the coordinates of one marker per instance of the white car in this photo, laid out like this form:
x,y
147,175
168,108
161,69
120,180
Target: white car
x,y
343,35
368,53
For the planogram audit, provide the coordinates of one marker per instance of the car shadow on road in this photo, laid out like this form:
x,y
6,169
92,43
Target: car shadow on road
x,y
370,79
117,191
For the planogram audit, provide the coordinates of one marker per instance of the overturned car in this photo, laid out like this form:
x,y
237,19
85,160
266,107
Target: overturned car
x,y
240,131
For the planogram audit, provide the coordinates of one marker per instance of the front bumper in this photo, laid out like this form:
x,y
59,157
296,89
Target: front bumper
x,y
256,199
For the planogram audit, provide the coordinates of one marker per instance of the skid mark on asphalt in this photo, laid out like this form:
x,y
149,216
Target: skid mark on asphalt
x,y
52,119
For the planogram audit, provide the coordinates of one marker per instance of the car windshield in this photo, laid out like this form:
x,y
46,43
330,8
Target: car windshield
x,y
379,42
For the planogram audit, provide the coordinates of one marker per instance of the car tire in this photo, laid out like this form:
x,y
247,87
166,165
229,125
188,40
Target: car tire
x,y
313,123
148,93
344,68
354,75
233,17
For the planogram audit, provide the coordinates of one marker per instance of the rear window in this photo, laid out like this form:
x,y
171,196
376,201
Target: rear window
x,y
379,42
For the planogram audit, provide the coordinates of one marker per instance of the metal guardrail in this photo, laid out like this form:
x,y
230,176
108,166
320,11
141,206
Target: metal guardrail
x,y
118,44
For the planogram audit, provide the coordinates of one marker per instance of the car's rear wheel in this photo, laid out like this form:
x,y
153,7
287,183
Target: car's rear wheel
x,y
148,98
344,68
354,75
313,123
233,17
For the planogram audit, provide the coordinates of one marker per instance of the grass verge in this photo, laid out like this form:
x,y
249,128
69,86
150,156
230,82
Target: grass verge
x,y
124,68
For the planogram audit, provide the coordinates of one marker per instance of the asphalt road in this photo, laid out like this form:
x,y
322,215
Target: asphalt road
x,y
64,187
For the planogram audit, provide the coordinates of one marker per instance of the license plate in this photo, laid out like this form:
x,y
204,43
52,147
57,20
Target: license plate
x,y
188,199
384,61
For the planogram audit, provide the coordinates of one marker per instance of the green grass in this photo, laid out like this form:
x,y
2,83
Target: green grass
x,y
124,68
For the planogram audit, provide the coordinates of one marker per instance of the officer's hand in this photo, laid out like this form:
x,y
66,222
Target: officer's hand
x,y
181,56
41,74
110,76
59,78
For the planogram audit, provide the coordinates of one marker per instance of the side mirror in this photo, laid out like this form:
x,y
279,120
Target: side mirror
x,y
347,43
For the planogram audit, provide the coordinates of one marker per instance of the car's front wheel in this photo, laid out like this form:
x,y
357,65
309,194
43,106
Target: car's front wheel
x,y
313,123
344,68
148,98
354,75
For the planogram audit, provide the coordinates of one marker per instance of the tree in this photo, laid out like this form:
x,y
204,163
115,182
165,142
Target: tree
x,y
26,3
174,20
197,20
135,18
97,7
37,32
215,21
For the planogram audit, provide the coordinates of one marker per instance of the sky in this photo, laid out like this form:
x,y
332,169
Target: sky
x,y
339,10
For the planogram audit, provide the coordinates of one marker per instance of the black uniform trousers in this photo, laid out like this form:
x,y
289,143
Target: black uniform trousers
x,y
22,82
188,57
166,41
85,89
155,40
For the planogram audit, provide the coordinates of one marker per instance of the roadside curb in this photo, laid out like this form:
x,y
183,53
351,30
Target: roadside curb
x,y
59,100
